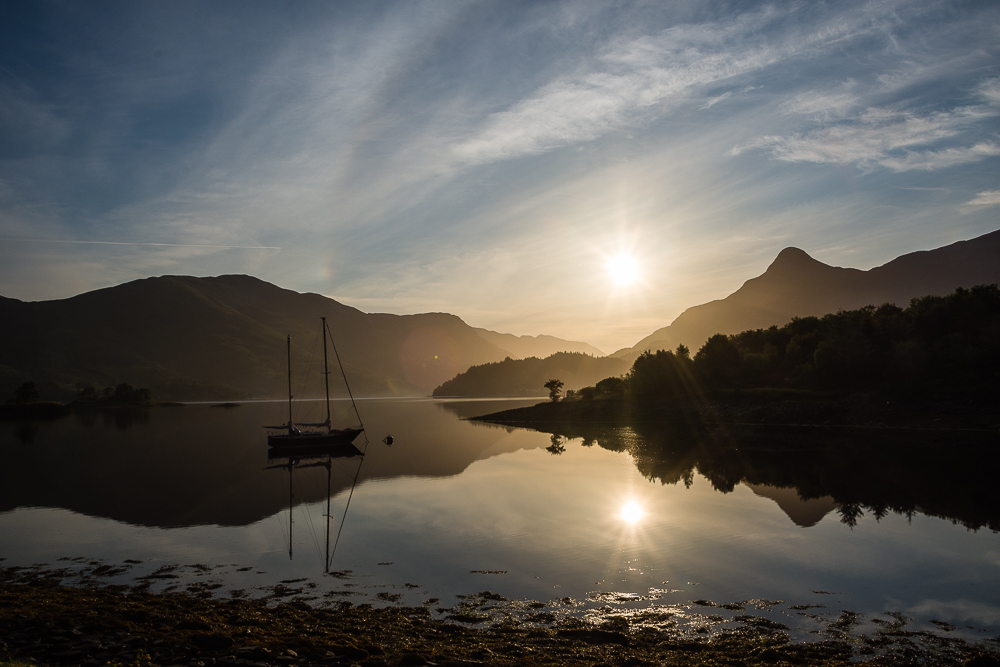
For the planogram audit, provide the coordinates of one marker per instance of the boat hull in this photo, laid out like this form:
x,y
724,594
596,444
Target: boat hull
x,y
314,439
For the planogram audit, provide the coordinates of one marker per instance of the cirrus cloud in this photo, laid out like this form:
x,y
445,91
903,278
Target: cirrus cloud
x,y
987,198
884,138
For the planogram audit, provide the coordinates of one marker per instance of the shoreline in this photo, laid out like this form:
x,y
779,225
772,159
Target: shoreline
x,y
755,408
47,623
51,410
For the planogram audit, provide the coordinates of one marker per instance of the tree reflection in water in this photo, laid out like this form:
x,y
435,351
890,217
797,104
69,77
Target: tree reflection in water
x,y
946,474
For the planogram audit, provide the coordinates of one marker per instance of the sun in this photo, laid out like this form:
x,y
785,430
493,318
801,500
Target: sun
x,y
632,512
624,269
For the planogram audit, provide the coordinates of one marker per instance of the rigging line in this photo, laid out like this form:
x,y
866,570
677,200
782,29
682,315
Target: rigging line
x,y
348,505
312,526
312,529
349,393
281,523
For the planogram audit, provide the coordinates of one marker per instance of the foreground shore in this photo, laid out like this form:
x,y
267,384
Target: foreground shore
x,y
45,623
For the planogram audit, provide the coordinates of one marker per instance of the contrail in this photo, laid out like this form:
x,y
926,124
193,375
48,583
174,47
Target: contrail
x,y
166,245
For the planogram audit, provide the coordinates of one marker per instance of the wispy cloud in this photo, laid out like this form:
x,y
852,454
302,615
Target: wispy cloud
x,y
827,105
715,100
990,89
987,198
144,243
636,80
879,137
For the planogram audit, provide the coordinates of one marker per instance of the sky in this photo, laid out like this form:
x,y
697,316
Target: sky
x,y
495,160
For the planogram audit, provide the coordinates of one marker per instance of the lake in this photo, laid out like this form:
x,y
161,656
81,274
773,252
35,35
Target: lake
x,y
604,523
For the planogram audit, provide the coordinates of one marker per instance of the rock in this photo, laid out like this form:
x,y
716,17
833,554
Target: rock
x,y
982,660
213,641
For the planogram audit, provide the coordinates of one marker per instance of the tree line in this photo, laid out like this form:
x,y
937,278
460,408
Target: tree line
x,y
122,394
940,346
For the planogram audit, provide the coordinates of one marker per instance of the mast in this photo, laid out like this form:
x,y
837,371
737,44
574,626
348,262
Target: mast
x,y
289,345
346,383
326,377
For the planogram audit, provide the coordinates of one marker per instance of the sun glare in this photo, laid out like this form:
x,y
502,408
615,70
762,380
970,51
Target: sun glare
x,y
624,269
632,512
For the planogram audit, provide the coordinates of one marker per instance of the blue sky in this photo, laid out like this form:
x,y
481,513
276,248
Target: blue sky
x,y
488,158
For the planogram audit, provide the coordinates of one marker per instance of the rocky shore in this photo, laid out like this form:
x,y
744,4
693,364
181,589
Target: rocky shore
x,y
45,623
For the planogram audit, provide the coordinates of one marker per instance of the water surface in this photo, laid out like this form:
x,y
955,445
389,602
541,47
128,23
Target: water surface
x,y
614,519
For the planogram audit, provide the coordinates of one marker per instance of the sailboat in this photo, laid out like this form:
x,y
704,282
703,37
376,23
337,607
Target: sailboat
x,y
320,437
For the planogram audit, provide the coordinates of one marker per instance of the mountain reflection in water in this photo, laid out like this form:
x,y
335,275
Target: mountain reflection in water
x,y
455,507
194,465
810,471
174,467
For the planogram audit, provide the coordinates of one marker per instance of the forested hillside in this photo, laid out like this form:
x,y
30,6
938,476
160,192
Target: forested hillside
x,y
526,377
938,346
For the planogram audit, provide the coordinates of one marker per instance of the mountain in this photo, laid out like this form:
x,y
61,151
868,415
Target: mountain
x,y
522,347
190,338
796,285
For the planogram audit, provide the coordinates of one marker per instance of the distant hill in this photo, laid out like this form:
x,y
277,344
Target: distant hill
x,y
527,377
521,347
796,285
188,338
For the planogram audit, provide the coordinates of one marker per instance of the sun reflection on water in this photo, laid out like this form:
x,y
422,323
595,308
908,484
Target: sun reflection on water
x,y
632,512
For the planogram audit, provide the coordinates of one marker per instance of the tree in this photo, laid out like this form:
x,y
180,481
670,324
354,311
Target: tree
x,y
87,394
613,387
26,393
126,393
718,361
659,375
555,388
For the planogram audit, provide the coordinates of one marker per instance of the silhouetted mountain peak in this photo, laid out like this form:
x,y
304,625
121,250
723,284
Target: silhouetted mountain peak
x,y
792,261
797,285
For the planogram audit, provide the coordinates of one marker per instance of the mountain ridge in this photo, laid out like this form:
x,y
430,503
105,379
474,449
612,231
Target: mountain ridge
x,y
542,345
797,285
190,338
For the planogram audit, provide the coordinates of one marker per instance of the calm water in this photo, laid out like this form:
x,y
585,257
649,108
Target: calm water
x,y
455,507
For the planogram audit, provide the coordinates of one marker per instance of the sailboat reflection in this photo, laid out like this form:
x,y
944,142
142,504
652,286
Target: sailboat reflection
x,y
317,456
